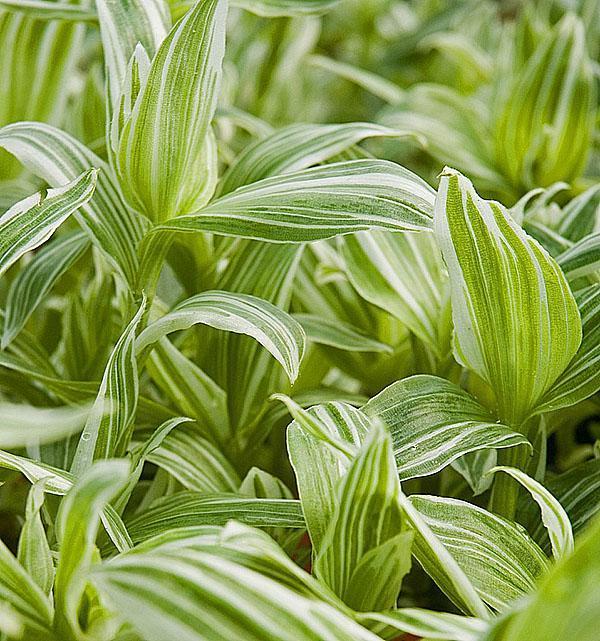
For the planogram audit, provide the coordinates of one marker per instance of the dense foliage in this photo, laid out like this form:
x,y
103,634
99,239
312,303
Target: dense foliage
x,y
300,329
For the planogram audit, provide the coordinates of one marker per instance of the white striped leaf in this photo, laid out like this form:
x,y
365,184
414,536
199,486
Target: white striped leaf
x,y
37,278
19,591
25,425
58,158
195,462
578,491
565,605
580,215
338,334
365,554
39,57
581,378
30,222
516,322
296,147
77,525
190,389
275,330
190,594
499,558
425,623
244,370
404,275
122,26
162,144
34,551
433,422
108,429
582,259
317,203
59,482
317,465
543,129
185,509
49,10
554,516
448,574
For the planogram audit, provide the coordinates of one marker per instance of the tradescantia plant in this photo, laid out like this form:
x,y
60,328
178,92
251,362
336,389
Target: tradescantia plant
x,y
260,381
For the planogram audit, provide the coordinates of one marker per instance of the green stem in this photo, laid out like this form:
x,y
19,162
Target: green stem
x,y
505,491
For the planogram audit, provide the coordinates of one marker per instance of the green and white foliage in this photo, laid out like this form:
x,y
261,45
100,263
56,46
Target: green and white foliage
x,y
268,370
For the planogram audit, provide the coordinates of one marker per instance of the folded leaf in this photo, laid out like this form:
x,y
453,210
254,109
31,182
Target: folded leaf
x,y
433,422
581,378
275,330
58,158
185,509
77,526
142,586
37,278
404,275
32,221
161,145
499,558
364,535
319,466
554,516
108,428
318,203
516,322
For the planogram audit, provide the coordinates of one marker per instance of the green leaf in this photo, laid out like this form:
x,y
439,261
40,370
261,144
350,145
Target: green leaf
x,y
109,426
39,58
581,259
59,482
58,158
578,491
23,595
318,466
25,425
516,322
34,552
185,509
554,516
317,203
364,554
122,26
294,148
581,378
142,588
499,558
77,526
32,221
338,334
543,131
580,215
245,371
49,10
433,422
195,462
438,561
163,142
404,275
275,330
427,624
192,391
37,278
566,602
